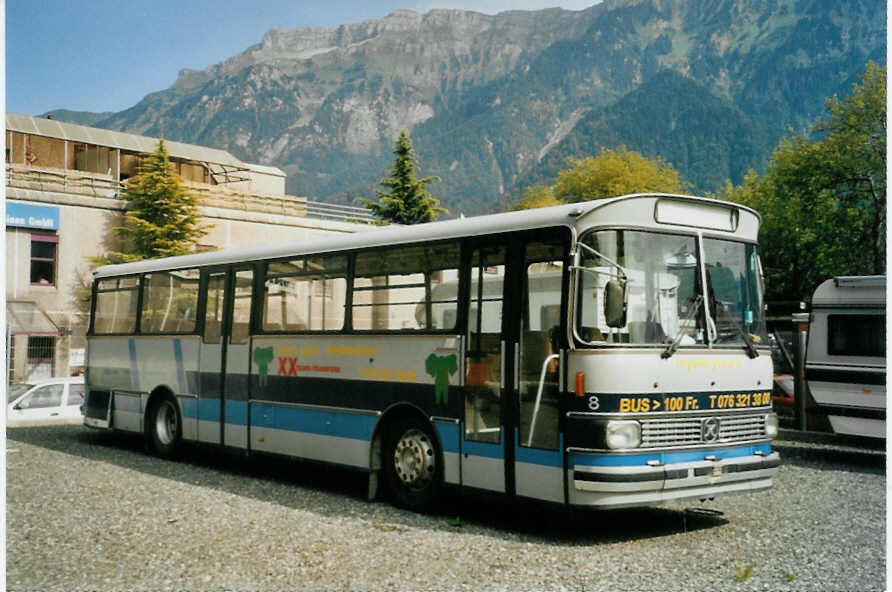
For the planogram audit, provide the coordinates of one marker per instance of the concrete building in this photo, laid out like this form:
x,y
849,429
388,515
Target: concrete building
x,y
63,200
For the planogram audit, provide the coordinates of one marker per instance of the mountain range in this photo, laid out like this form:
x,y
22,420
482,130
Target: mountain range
x,y
494,103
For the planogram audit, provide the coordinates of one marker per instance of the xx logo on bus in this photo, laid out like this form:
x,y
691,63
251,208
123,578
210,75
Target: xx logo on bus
x,y
709,429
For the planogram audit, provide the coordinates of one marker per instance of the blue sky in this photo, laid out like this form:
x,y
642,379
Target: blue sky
x,y
106,55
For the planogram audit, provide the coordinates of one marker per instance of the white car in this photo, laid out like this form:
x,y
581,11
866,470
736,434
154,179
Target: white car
x,y
55,400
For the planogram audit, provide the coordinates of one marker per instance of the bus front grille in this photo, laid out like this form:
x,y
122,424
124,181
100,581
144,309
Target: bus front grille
x,y
687,431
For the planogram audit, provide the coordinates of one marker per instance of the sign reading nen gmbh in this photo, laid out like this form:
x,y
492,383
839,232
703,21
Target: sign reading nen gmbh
x,y
27,216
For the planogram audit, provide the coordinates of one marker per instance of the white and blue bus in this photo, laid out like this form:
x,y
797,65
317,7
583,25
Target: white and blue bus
x,y
605,354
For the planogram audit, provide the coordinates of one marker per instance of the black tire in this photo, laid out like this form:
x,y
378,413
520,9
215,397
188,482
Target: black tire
x,y
413,464
164,427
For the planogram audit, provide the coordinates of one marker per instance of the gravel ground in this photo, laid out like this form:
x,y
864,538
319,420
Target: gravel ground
x,y
89,510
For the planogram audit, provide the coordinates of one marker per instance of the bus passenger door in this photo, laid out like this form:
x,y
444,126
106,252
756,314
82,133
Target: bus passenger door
x,y
538,457
224,358
483,442
237,365
211,356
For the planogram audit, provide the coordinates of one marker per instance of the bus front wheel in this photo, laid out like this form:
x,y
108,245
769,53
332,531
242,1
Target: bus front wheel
x,y
413,466
164,427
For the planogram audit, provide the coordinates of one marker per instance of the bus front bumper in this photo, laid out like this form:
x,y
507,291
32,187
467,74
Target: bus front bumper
x,y
625,486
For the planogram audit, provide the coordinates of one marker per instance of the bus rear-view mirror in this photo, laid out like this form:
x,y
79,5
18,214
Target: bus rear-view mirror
x,y
615,303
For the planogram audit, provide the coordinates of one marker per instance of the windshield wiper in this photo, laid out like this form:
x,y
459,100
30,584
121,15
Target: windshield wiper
x,y
695,306
751,350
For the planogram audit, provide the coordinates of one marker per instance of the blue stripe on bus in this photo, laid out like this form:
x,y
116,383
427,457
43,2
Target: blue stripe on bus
x,y
328,423
539,456
208,409
331,423
485,449
236,412
181,370
614,460
134,366
449,435
189,408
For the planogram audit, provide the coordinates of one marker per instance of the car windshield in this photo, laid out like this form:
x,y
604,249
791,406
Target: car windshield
x,y
665,297
661,270
15,390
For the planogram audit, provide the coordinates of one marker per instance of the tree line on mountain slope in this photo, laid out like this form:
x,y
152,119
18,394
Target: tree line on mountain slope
x,y
823,201
822,198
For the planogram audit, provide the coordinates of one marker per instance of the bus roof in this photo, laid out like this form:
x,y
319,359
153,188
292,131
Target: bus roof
x,y
554,216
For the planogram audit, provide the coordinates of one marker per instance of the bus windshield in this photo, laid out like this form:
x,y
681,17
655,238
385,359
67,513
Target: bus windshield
x,y
735,291
665,296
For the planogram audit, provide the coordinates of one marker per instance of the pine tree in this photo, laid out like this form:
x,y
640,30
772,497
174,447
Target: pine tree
x,y
408,201
161,217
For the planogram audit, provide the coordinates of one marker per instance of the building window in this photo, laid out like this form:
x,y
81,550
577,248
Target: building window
x,y
41,352
43,259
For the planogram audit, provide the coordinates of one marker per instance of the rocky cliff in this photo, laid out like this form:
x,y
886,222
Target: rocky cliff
x,y
495,102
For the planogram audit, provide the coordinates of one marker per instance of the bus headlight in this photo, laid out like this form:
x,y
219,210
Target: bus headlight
x,y
771,425
623,434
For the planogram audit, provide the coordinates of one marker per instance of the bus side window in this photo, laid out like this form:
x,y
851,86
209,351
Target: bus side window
x,y
241,307
116,303
213,316
170,299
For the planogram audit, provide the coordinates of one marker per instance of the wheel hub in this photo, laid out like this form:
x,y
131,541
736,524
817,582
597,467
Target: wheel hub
x,y
414,459
166,423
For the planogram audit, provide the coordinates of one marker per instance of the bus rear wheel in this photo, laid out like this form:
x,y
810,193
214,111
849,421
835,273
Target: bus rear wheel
x,y
164,427
413,465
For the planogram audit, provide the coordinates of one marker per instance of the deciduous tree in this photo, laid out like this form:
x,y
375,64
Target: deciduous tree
x,y
823,201
615,172
537,196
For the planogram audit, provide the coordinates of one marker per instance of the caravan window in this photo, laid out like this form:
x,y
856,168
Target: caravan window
x,y
857,335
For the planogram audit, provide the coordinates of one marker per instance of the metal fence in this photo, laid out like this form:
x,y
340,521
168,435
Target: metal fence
x,y
318,209
97,185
